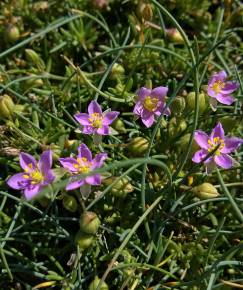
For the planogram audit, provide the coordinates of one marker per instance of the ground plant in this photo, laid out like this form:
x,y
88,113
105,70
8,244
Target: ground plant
x,y
120,144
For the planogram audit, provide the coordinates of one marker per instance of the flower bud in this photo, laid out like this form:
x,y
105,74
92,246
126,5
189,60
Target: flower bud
x,y
174,35
94,284
138,146
121,188
178,105
69,202
119,126
83,240
11,33
176,126
144,11
117,70
205,191
191,101
34,58
6,106
89,222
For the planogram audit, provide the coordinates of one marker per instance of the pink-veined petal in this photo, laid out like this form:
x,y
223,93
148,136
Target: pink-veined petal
x,y
230,87
110,117
138,108
159,92
68,163
84,152
88,130
199,156
143,93
225,99
74,184
94,107
93,180
104,130
147,118
31,191
98,161
231,144
224,161
202,139
45,162
17,181
218,131
26,159
82,118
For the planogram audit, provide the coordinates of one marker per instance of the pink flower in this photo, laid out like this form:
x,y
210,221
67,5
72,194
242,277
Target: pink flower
x,y
83,164
35,175
151,103
220,90
217,143
96,122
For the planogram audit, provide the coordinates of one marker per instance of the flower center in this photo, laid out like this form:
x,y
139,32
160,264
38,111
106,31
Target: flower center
x,y
218,86
216,143
96,120
82,165
35,176
150,103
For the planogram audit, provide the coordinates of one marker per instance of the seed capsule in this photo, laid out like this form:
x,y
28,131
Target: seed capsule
x,y
70,203
89,222
83,240
11,33
174,35
121,188
138,146
191,101
205,191
6,106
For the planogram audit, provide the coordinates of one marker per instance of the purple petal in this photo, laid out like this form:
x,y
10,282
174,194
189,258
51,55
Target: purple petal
x,y
31,191
229,88
143,93
88,130
93,180
211,92
84,152
218,131
94,107
147,118
104,130
26,159
225,99
49,177
74,184
199,156
201,138
45,162
138,108
221,76
98,160
231,144
110,117
159,92
159,109
166,110
17,181
223,160
82,118
68,163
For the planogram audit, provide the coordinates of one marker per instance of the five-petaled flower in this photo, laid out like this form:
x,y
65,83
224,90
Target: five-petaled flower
x,y
83,164
96,122
36,175
151,103
217,147
220,90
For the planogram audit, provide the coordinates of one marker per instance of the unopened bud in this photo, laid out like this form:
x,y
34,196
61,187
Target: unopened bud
x,y
191,101
89,222
11,33
176,126
117,70
174,35
94,284
69,202
83,240
121,188
119,126
205,191
34,58
178,105
145,11
6,106
138,146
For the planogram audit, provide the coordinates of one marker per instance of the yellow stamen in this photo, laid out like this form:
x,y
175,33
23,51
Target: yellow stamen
x,y
217,143
25,176
150,103
83,166
36,176
96,120
218,86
